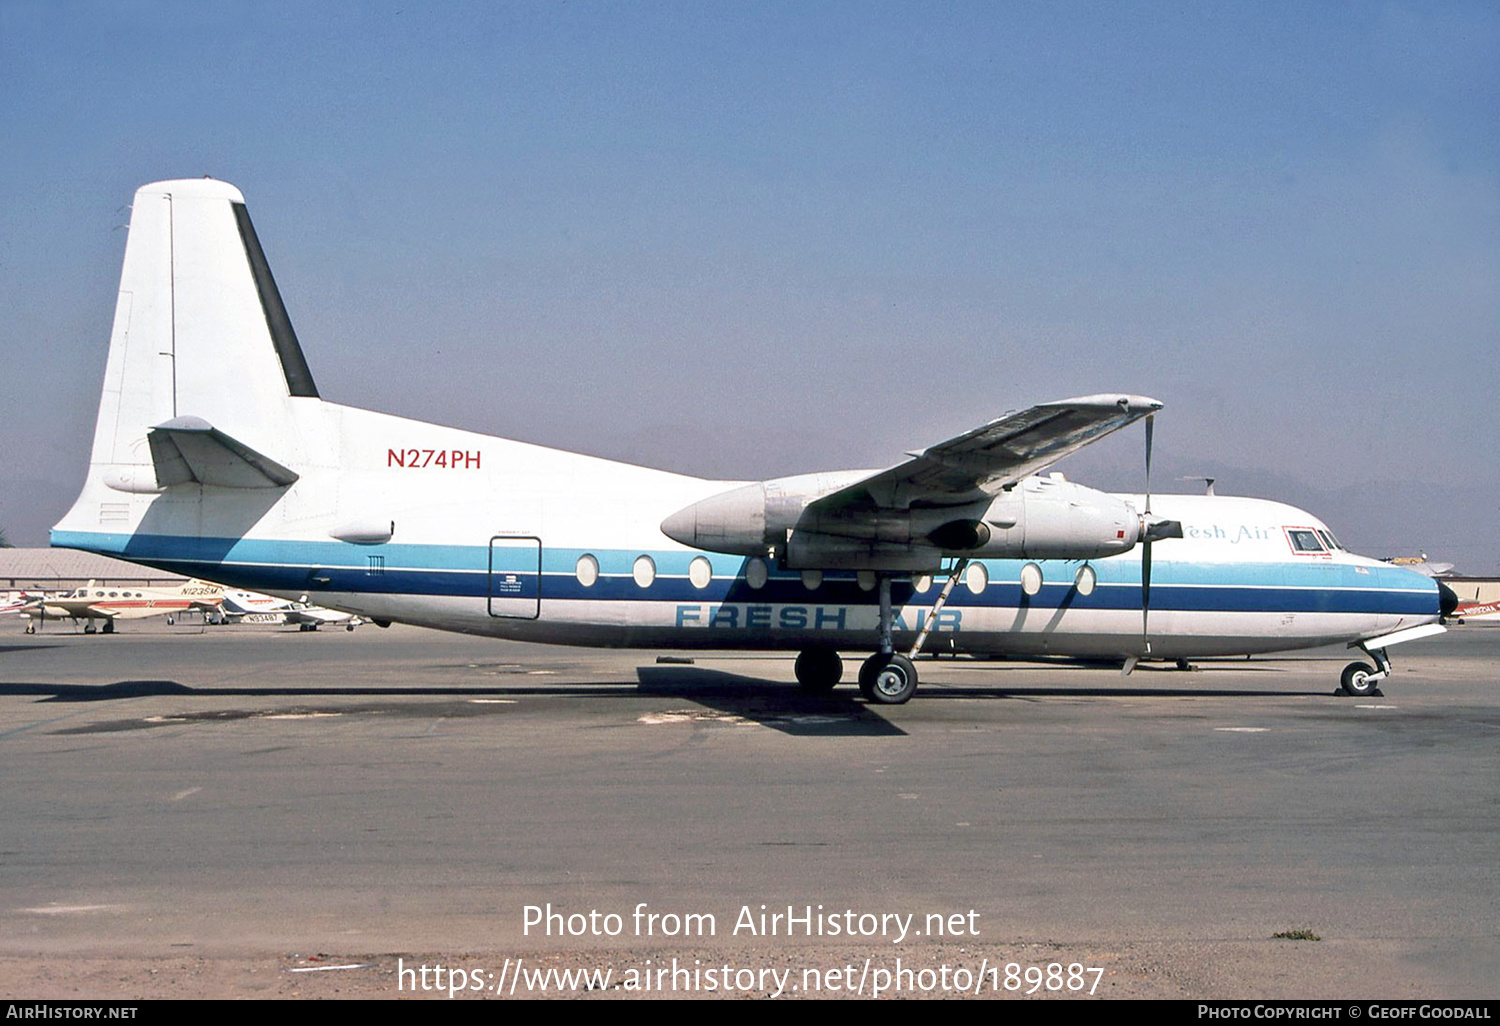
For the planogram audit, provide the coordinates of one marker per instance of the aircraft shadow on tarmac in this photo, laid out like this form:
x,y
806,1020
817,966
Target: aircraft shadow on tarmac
x,y
787,709
721,695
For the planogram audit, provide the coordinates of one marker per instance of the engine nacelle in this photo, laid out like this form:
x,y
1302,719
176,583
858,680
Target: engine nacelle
x,y
1050,518
1038,518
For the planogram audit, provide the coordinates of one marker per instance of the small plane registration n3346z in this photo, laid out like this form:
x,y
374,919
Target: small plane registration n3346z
x,y
215,456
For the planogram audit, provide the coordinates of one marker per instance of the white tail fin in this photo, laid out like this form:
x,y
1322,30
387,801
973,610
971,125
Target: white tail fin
x,y
200,331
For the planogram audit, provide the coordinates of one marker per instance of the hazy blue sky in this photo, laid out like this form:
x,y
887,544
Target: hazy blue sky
x,y
748,240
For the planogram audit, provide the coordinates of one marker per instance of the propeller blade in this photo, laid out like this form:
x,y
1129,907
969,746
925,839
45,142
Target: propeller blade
x,y
1146,594
1150,427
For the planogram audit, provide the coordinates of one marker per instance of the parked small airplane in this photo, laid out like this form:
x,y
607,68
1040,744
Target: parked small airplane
x,y
16,601
1486,614
215,455
111,603
253,607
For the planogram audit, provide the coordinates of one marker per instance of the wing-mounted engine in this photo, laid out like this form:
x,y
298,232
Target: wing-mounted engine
x,y
1038,518
968,496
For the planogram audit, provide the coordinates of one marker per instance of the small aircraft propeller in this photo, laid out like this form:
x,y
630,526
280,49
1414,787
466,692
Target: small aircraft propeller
x,y
1151,531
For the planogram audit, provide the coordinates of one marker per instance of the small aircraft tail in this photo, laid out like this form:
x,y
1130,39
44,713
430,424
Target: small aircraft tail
x,y
205,372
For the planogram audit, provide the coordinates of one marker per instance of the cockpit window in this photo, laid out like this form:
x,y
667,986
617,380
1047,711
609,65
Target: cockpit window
x,y
1329,539
1304,540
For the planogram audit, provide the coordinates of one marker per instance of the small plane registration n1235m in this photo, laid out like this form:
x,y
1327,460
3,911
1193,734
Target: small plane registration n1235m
x,y
110,602
215,456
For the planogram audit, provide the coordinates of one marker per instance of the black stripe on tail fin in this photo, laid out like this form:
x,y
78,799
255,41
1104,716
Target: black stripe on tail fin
x,y
299,379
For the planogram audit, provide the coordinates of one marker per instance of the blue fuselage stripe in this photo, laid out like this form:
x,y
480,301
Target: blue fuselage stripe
x,y
466,572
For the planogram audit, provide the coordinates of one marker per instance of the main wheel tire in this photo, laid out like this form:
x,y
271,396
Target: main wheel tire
x,y
818,670
1356,681
867,670
888,679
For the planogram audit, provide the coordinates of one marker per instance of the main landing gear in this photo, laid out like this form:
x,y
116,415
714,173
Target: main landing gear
x,y
819,670
888,677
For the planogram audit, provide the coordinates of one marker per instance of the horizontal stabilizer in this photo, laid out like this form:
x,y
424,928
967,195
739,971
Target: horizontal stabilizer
x,y
190,450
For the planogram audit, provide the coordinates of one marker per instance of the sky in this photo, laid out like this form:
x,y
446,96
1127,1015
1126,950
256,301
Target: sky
x,y
752,240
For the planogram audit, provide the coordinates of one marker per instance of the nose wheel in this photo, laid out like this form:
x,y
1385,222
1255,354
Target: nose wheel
x,y
1361,680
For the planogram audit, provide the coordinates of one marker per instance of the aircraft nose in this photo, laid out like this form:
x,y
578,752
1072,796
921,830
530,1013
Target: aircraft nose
x,y
1447,600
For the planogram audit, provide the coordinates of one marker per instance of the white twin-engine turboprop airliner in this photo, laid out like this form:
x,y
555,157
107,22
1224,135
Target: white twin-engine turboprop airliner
x,y
215,457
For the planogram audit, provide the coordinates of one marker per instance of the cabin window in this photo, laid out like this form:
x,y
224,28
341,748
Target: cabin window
x,y
1031,579
644,571
1304,540
587,570
1085,580
811,579
756,573
866,580
977,578
700,572
921,584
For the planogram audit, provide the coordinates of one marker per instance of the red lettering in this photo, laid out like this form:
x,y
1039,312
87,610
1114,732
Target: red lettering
x,y
449,459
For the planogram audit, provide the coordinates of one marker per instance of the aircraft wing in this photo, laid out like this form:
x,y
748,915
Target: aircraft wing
x,y
981,462
317,614
74,609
